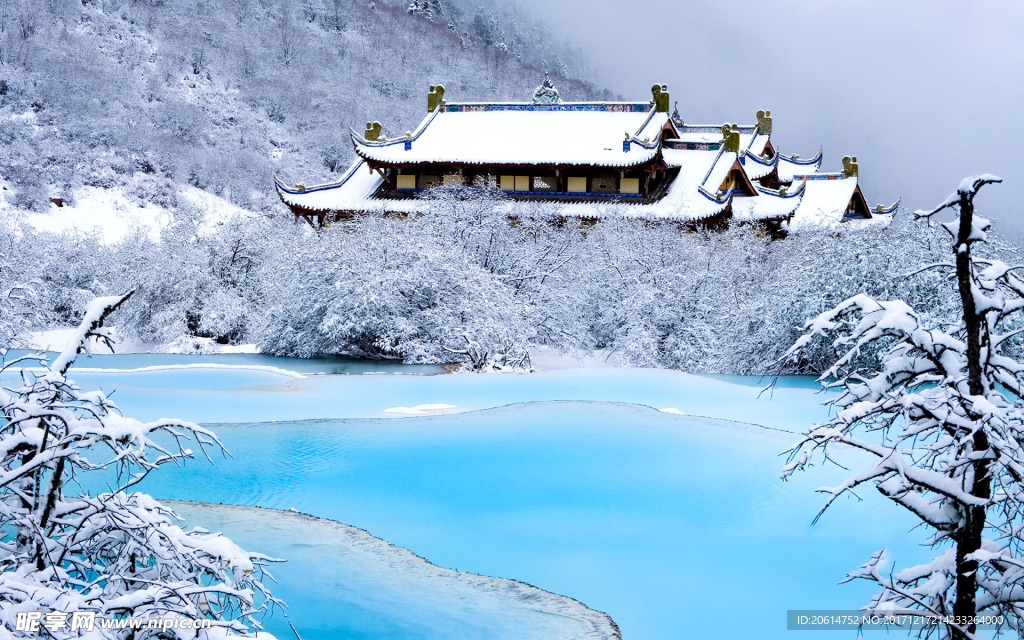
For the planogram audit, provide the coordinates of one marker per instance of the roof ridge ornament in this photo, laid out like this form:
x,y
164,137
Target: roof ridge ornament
x,y
372,132
435,97
660,100
850,167
546,93
764,122
676,118
731,134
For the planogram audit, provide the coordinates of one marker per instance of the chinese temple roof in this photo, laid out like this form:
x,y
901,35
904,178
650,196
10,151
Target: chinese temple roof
x,y
581,133
707,171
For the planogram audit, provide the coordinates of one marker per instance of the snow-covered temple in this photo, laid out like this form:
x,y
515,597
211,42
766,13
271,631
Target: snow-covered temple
x,y
589,160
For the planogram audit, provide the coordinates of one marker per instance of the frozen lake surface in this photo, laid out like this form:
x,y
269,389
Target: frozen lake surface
x,y
675,525
257,388
385,591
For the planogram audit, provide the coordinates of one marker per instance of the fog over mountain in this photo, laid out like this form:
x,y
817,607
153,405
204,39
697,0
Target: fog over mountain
x,y
924,93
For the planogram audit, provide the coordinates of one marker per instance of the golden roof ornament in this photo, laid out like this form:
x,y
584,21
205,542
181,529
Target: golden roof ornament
x,y
435,97
731,135
850,166
660,100
764,122
372,132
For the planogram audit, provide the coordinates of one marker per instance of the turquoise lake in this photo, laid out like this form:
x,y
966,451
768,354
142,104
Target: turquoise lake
x,y
677,526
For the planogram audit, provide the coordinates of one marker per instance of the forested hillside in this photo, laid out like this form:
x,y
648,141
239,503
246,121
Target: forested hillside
x,y
221,95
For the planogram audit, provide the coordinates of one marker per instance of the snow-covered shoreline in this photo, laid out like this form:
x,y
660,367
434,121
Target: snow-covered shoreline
x,y
398,562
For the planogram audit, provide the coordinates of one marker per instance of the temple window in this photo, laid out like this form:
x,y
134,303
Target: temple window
x,y
577,185
545,183
629,185
426,181
604,184
515,183
406,181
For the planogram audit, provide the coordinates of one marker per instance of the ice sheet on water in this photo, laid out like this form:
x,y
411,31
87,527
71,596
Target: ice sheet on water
x,y
341,582
793,405
423,410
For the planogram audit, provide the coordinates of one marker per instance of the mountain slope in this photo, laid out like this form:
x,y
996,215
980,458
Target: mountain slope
x,y
146,94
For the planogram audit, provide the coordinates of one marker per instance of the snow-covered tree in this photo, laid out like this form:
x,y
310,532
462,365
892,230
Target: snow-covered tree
x,y
70,563
942,420
415,289
19,309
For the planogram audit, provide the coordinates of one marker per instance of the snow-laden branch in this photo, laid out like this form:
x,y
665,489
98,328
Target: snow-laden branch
x,y
968,189
119,553
942,417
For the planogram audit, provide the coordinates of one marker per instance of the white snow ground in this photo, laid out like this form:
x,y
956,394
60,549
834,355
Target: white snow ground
x,y
112,215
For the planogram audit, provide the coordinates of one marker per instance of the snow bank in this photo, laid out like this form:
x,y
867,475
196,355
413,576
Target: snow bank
x,y
108,213
177,367
375,577
50,339
112,215
54,339
549,359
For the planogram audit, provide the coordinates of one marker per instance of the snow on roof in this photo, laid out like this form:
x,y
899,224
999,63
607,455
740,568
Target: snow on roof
x,y
881,215
751,137
757,167
825,201
706,169
684,201
567,133
700,137
693,193
754,143
711,128
883,210
719,172
352,193
791,166
873,221
767,205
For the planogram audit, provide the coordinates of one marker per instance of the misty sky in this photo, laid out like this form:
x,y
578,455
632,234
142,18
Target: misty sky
x,y
923,93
